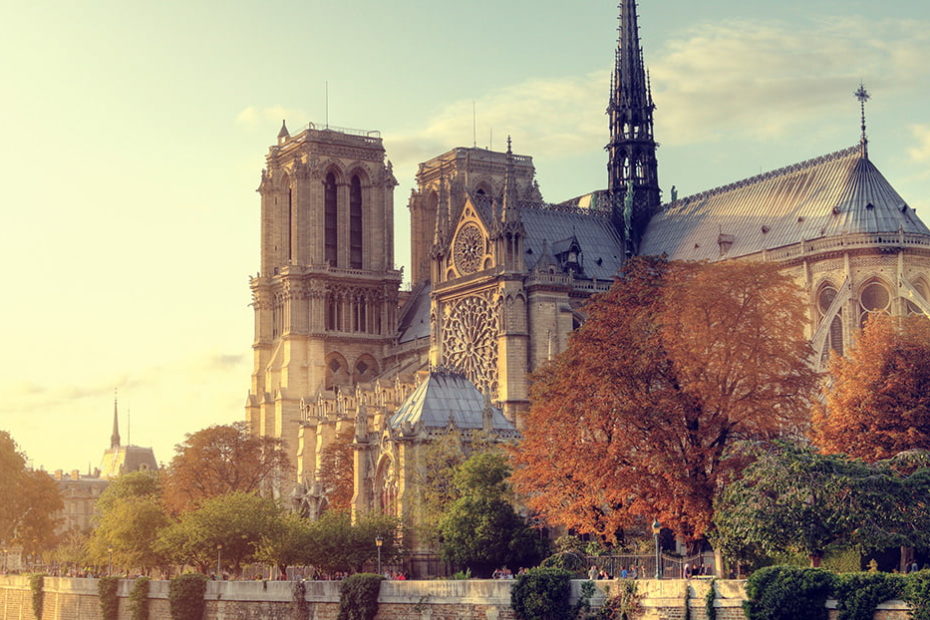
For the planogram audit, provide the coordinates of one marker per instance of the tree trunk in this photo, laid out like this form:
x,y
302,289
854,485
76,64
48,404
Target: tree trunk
x,y
907,556
719,567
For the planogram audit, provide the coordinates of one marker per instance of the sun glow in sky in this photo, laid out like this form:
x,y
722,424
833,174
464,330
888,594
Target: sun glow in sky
x,y
134,135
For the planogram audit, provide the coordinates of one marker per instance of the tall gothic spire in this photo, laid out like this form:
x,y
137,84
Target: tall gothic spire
x,y
114,438
632,164
509,202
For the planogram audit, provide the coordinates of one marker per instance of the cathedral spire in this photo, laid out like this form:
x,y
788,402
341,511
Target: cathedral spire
x,y
632,165
442,211
509,206
114,438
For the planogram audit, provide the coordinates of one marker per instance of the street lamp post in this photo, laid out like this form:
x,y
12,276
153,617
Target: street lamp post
x,y
378,542
656,528
219,561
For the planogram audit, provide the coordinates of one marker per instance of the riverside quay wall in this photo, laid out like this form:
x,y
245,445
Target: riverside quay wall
x,y
474,599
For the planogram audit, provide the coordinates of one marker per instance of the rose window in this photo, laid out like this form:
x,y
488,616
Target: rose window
x,y
469,340
874,299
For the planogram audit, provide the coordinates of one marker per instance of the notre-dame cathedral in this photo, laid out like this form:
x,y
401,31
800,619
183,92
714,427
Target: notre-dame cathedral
x,y
500,277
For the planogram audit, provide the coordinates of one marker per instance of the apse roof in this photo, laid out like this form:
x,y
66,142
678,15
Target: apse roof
x,y
838,194
445,396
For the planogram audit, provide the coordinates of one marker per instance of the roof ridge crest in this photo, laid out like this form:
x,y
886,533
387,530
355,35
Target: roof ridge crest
x,y
765,176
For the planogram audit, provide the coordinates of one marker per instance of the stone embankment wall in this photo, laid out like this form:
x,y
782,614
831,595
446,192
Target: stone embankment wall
x,y
76,599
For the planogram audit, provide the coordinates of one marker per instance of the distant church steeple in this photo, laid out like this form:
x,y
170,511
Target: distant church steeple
x,y
114,438
632,164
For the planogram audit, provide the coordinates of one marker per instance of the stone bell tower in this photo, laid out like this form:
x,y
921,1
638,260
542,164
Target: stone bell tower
x,y
326,296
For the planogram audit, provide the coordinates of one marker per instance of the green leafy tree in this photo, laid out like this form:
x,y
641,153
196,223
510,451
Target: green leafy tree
x,y
337,545
481,530
286,542
793,498
438,461
39,500
130,516
229,526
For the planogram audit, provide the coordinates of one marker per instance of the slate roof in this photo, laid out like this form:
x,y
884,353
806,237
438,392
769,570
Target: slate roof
x,y
593,230
837,194
444,395
414,316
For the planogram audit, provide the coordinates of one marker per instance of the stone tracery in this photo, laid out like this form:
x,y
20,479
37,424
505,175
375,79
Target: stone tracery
x,y
469,339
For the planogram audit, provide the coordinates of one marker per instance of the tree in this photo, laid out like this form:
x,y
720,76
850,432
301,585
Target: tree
x,y
220,460
12,466
793,498
230,526
286,542
130,517
438,461
338,545
643,415
337,469
39,501
481,530
30,499
877,402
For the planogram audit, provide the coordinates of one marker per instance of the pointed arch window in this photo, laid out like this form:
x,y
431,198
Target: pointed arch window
x,y
330,219
355,223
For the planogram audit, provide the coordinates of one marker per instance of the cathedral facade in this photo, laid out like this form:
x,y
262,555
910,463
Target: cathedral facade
x,y
500,278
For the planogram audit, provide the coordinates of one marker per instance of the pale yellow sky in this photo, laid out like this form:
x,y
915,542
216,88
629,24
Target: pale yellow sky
x,y
134,135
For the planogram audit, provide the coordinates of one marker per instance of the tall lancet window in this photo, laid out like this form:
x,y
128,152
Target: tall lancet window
x,y
355,223
330,218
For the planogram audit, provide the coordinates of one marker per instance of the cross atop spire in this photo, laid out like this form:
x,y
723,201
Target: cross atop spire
x,y
863,95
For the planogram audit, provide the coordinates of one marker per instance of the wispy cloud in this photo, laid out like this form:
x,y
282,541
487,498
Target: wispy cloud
x,y
740,78
254,116
765,79
549,117
921,151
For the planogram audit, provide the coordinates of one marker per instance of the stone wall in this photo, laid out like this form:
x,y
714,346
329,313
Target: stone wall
x,y
474,599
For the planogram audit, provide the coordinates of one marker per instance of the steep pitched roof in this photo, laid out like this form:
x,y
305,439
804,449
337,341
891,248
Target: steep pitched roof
x,y
600,244
837,194
445,396
413,322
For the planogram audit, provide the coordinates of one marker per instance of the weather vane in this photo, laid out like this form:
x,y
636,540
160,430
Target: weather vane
x,y
863,95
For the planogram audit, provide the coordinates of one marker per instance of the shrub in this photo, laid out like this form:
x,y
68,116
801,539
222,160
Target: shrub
x,y
542,594
858,594
566,560
109,604
37,585
788,593
185,594
139,599
625,606
917,594
358,596
710,599
300,608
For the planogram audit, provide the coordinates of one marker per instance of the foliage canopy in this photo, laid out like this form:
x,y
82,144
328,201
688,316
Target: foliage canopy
x,y
676,365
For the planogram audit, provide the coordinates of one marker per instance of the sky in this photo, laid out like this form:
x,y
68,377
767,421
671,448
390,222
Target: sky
x,y
134,135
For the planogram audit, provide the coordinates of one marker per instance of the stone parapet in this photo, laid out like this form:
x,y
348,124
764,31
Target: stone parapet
x,y
76,599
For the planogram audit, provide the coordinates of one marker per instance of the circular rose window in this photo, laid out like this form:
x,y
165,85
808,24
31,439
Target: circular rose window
x,y
875,297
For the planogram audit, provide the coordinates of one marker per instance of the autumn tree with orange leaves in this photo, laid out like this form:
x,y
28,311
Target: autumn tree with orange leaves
x,y
877,401
642,416
337,469
220,460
